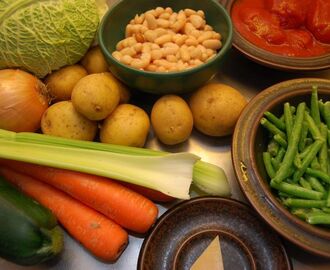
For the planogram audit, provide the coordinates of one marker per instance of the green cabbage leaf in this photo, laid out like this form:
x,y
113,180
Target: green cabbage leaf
x,y
45,35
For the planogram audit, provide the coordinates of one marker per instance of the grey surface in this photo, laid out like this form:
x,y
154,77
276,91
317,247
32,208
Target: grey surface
x,y
245,76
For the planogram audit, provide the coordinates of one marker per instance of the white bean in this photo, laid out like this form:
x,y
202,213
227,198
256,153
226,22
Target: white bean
x,y
151,20
128,51
179,39
178,25
196,53
126,59
150,35
189,12
188,28
208,28
117,55
137,47
129,30
165,16
151,67
191,41
204,36
160,31
185,56
163,23
213,44
201,13
197,21
159,11
173,17
139,37
156,54
169,10
163,39
171,58
169,50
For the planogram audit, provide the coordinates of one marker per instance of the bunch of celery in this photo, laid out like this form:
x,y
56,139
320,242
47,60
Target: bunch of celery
x,y
171,174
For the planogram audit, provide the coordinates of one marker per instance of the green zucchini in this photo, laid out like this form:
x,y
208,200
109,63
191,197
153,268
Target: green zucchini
x,y
29,233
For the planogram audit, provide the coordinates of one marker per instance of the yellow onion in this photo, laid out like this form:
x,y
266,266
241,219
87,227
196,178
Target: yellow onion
x,y
23,100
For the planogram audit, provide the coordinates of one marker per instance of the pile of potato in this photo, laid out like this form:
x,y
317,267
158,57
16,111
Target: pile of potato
x,y
89,101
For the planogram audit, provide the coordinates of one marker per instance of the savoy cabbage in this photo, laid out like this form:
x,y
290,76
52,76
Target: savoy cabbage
x,y
41,36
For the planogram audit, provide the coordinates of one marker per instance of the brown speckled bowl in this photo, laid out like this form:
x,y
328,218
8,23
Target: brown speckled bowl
x,y
272,60
184,231
249,141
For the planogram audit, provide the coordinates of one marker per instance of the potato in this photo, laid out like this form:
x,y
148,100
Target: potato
x,y
94,61
171,119
62,120
61,82
95,96
216,108
127,125
125,94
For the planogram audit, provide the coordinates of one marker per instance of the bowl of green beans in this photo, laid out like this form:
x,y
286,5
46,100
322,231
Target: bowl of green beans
x,y
281,157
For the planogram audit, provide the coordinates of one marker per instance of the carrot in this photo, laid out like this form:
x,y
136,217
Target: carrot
x,y
100,235
126,207
151,194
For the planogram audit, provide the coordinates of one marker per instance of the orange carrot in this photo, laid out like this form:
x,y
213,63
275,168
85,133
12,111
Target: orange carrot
x,y
151,194
100,235
126,207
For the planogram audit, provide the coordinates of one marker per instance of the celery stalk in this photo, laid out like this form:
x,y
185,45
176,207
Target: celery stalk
x,y
209,178
170,174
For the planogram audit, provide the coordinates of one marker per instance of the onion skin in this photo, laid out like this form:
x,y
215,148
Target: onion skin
x,y
23,100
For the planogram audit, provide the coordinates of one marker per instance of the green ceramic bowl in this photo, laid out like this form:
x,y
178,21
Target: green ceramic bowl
x,y
112,30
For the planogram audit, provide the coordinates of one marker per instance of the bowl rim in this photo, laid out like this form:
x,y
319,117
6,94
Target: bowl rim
x,y
260,195
223,50
273,60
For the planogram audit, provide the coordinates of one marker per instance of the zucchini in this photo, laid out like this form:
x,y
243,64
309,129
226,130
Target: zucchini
x,y
29,233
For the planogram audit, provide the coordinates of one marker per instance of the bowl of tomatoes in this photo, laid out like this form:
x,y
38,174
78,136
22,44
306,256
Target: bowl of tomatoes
x,y
283,34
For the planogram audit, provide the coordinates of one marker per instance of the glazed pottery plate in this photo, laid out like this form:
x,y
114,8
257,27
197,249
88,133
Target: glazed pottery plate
x,y
184,231
248,144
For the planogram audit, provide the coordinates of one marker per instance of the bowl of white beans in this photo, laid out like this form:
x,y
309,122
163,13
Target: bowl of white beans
x,y
165,47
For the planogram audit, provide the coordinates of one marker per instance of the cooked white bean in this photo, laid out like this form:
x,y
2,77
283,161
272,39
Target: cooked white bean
x,y
189,12
163,39
197,21
164,15
214,44
127,59
204,36
163,23
117,55
151,20
188,28
156,54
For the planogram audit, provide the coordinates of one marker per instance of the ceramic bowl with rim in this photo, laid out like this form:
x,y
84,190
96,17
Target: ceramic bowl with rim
x,y
112,30
273,60
250,140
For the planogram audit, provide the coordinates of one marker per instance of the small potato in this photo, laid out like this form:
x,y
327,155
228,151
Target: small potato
x,y
127,125
125,94
95,96
61,82
171,119
94,61
216,108
62,120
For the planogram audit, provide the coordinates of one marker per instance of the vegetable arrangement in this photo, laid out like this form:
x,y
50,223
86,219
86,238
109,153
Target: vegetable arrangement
x,y
297,158
29,231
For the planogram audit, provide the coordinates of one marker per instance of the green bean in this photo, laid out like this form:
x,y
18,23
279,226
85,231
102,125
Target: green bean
x,y
321,107
273,147
315,184
328,138
297,162
304,132
315,112
300,213
319,174
303,203
276,161
315,164
326,209
328,197
297,191
316,146
308,141
288,119
304,153
282,142
286,165
318,218
275,120
268,165
326,113
304,183
314,130
271,127
284,195
323,155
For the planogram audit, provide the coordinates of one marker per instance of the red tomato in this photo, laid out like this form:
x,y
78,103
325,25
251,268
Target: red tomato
x,y
263,24
299,39
292,13
318,20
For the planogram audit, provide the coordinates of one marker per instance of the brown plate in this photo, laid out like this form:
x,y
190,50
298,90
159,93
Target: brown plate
x,y
184,231
275,60
250,140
